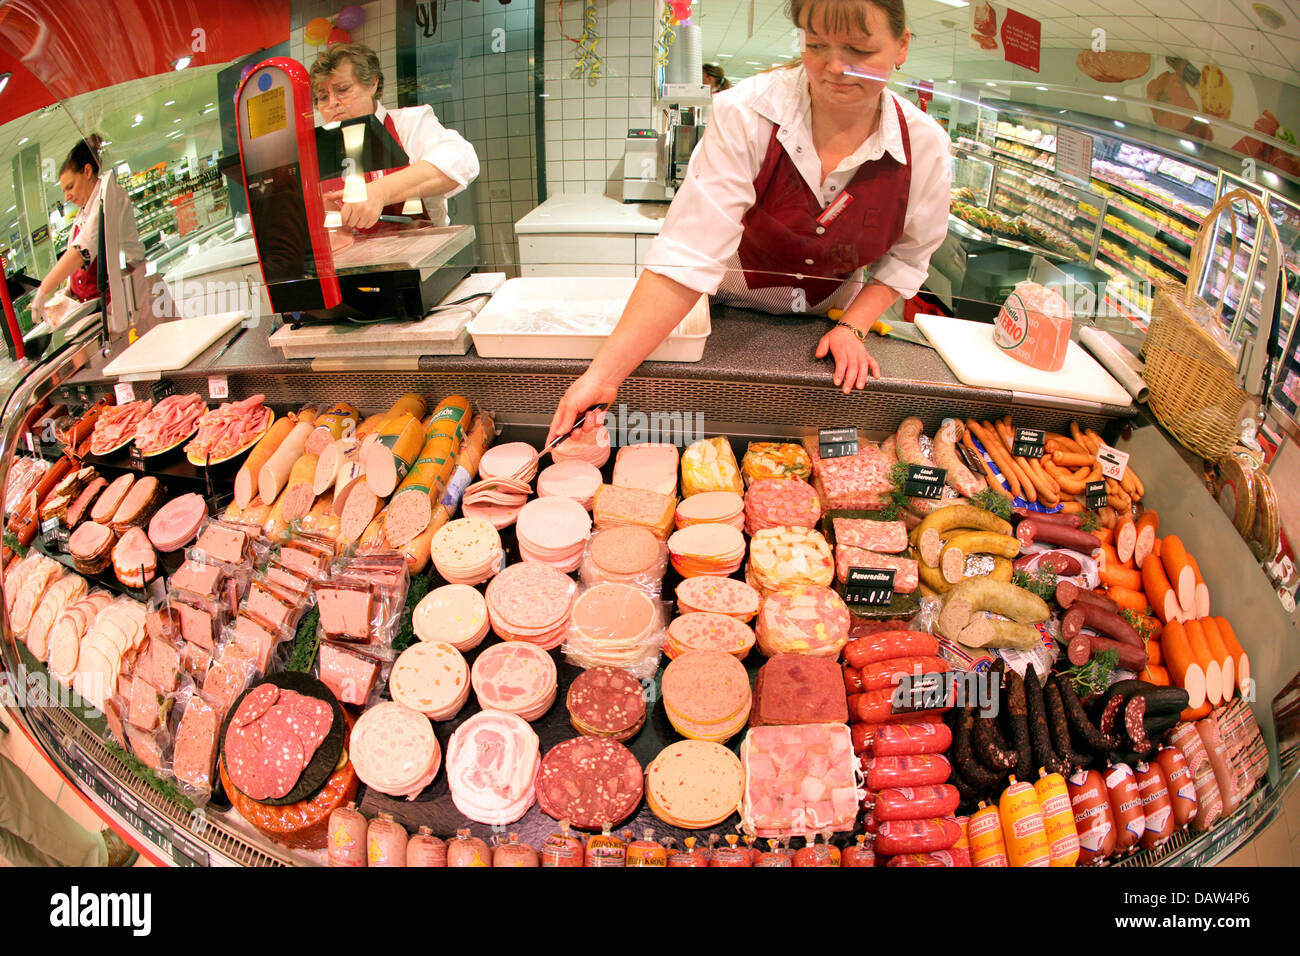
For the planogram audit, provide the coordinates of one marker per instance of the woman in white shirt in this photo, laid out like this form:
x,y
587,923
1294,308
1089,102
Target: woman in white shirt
x,y
96,201
347,83
805,173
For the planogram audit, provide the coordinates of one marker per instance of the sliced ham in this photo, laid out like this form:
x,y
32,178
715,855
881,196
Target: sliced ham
x,y
110,499
90,546
175,524
134,560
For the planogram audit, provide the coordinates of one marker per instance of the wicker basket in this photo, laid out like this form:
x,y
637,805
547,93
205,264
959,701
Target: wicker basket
x,y
1192,378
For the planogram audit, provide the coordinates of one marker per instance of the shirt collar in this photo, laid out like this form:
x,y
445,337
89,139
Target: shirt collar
x,y
787,103
380,112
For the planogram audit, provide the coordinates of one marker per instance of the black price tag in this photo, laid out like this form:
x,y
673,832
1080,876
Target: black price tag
x,y
1029,443
920,692
1095,495
161,389
61,539
83,395
873,586
49,530
924,481
837,442
135,458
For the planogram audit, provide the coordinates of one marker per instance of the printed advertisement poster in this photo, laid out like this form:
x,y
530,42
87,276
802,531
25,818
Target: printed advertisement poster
x,y
1006,33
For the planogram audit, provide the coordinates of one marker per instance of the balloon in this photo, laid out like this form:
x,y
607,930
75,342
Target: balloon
x,y
317,31
350,18
339,36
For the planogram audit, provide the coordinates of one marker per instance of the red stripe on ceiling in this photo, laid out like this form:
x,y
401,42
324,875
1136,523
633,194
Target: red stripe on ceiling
x,y
68,48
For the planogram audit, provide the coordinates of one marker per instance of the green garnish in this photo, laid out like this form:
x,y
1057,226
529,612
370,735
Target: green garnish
x,y
1091,521
1094,677
897,482
11,542
305,643
405,636
148,776
1042,582
991,501
1138,622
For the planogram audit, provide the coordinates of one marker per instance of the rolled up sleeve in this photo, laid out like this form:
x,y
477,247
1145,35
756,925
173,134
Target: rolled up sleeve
x,y
703,228
445,149
906,265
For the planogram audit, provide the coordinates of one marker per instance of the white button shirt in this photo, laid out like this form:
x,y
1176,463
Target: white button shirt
x,y
424,138
701,233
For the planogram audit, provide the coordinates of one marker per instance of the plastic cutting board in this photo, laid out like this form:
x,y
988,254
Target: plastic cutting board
x,y
975,359
173,345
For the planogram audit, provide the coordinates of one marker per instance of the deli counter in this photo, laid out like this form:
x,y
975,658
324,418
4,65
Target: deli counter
x,y
757,379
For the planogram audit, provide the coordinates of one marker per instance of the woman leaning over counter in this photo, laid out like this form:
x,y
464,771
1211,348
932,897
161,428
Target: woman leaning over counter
x,y
814,188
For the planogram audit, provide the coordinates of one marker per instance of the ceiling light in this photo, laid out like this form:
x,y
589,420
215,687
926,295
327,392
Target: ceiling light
x,y
1110,99
211,108
176,120
1119,124
989,83
170,103
952,82
954,3
23,140
4,80
1270,178
12,208
1041,89
752,63
183,62
725,56
1200,119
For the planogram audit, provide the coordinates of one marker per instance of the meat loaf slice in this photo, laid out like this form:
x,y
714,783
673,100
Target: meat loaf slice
x,y
138,505
175,524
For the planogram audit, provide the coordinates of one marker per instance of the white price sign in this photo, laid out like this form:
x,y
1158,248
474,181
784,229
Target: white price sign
x,y
1113,462
31,446
218,386
124,392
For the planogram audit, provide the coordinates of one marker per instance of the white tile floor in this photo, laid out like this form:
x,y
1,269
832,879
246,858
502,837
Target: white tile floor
x,y
1279,845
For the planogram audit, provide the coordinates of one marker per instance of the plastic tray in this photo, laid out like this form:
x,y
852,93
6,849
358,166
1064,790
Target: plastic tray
x,y
497,330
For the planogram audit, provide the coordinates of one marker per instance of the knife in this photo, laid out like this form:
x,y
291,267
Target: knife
x,y
233,339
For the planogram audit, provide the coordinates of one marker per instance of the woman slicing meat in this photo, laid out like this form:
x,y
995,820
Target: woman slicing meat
x,y
347,83
814,188
98,201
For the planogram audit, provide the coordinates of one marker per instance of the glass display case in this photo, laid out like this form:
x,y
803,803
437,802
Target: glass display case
x,y
972,178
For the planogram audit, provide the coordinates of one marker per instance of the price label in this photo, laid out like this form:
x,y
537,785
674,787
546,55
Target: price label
x,y
134,458
837,442
124,392
924,481
61,539
162,389
218,386
869,586
1029,443
1113,462
48,528
1095,495
83,394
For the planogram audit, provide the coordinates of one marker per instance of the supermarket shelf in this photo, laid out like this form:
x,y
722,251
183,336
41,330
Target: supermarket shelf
x,y
1025,142
1127,190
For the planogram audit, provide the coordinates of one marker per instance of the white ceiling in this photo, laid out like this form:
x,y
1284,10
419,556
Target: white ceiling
x,y
1227,32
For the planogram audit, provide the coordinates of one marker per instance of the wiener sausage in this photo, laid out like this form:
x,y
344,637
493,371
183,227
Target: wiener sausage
x,y
898,837
911,770
1125,806
1031,530
1182,790
1224,774
886,645
916,803
1092,816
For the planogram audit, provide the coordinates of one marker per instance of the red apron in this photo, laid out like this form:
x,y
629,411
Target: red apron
x,y
83,283
789,237
392,209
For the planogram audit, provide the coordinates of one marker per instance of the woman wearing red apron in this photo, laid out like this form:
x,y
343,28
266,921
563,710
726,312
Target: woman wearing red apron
x,y
347,83
79,179
814,188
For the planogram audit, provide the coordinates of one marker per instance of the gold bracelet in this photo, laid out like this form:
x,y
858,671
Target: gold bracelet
x,y
862,336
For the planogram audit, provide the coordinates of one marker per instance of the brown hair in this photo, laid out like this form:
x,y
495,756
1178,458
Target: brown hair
x,y
84,153
844,15
715,71
365,64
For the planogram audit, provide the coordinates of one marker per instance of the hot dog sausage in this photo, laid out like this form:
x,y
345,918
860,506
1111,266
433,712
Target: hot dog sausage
x,y
889,644
852,680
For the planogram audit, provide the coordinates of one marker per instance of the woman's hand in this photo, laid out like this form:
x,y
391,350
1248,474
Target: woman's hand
x,y
853,363
587,391
357,215
37,307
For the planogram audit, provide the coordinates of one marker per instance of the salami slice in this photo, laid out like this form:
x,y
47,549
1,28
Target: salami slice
x,y
255,704
243,759
283,753
589,781
316,717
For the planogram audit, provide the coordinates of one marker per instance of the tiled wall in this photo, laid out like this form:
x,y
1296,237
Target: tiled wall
x,y
587,121
379,32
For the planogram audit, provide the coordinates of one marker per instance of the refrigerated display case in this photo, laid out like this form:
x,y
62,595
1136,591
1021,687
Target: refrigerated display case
x,y
743,388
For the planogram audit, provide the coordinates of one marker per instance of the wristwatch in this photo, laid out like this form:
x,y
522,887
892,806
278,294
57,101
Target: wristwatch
x,y
861,336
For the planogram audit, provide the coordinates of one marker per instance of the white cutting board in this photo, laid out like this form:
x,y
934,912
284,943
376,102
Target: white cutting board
x,y
975,359
173,345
